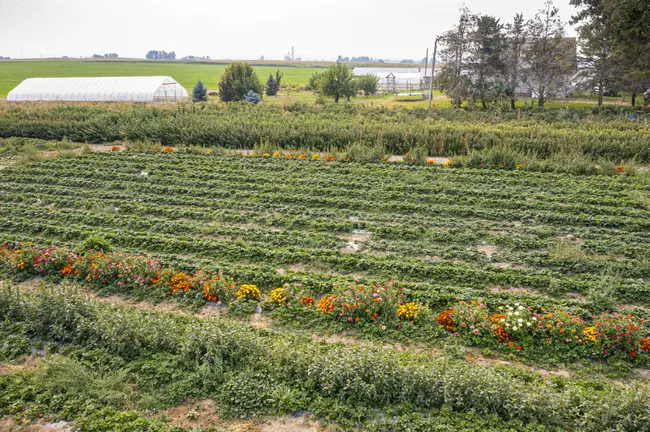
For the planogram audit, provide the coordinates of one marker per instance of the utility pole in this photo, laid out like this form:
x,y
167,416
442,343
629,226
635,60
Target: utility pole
x,y
433,69
426,64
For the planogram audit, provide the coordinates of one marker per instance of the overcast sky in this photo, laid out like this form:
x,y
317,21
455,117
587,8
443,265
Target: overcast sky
x,y
239,29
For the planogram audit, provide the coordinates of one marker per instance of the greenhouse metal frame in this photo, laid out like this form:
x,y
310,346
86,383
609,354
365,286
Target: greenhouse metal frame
x,y
99,89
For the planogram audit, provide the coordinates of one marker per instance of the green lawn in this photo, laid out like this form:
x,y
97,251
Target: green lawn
x,y
13,72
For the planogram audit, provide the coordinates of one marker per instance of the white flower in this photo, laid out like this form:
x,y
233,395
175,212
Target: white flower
x,y
517,313
519,320
144,173
503,320
520,307
534,318
509,307
507,325
514,328
516,304
528,323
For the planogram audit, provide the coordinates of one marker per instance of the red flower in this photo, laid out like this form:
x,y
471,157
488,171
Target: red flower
x,y
511,343
519,348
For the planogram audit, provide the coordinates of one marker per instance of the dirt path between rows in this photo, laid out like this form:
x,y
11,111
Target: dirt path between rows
x,y
264,322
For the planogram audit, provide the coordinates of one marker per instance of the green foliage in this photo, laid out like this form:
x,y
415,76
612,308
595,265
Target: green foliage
x,y
337,82
265,371
369,84
271,86
237,80
14,341
314,81
199,92
96,243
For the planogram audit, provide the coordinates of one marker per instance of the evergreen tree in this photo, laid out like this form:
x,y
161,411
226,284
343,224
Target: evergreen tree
x,y
227,92
271,86
278,80
485,64
199,92
597,43
631,29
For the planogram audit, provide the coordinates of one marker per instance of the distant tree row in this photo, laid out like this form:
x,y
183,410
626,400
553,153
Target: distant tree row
x,y
5,58
486,61
362,59
191,57
161,55
109,55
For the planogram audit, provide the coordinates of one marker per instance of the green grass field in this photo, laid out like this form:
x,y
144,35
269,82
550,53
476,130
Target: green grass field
x,y
13,72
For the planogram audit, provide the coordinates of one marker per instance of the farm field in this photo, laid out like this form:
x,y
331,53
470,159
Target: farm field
x,y
449,252
262,268
187,74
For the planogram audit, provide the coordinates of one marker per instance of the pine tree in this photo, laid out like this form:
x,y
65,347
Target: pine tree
x,y
278,80
452,78
597,42
485,65
271,86
227,91
199,92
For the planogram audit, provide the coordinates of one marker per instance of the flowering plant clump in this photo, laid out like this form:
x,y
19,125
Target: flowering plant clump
x,y
315,157
115,148
449,163
276,154
277,296
519,326
620,169
302,156
168,150
364,303
325,303
289,155
430,162
408,311
216,288
307,301
267,155
248,292
180,282
445,319
330,158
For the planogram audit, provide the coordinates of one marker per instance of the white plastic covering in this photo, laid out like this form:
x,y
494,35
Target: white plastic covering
x,y
111,89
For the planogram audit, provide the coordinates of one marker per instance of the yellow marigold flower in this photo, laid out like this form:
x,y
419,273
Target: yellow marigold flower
x,y
266,154
620,168
519,166
315,157
407,311
302,156
248,291
277,296
449,163
590,334
276,154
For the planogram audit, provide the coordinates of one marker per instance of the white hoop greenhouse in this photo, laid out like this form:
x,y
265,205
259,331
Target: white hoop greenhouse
x,y
109,89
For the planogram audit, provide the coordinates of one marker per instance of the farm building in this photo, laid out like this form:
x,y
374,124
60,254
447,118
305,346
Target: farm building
x,y
91,89
394,79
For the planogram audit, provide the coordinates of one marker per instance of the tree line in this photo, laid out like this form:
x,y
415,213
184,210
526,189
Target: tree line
x,y
239,82
486,61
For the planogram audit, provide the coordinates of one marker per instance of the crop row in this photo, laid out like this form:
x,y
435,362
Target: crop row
x,y
366,375
243,128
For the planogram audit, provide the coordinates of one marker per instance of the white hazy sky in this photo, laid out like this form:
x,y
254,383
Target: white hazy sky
x,y
239,29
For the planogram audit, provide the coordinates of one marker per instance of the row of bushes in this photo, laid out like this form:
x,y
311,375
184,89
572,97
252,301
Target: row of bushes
x,y
359,375
398,132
